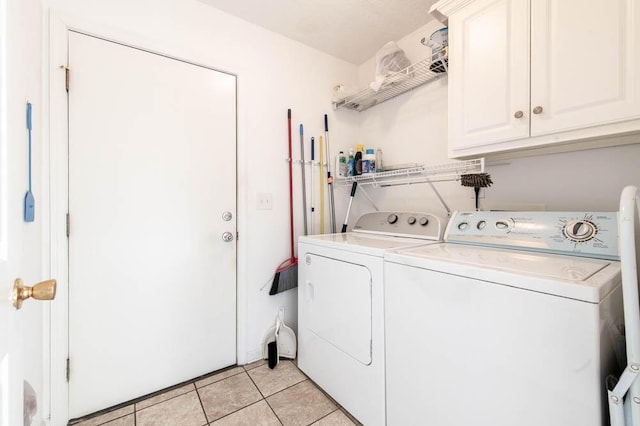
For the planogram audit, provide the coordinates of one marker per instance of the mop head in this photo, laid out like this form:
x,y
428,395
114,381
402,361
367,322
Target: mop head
x,y
286,277
476,180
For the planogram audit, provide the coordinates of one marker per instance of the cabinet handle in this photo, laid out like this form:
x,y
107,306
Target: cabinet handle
x,y
518,114
537,110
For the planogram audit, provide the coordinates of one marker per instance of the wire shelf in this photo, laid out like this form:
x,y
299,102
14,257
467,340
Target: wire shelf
x,y
417,174
415,75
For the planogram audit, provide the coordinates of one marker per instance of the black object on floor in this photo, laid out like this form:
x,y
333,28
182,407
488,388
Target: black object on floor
x,y
273,354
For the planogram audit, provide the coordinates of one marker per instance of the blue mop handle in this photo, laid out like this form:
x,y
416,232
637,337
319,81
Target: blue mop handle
x,y
29,127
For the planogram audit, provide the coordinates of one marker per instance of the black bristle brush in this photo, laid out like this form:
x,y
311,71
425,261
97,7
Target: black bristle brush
x,y
476,181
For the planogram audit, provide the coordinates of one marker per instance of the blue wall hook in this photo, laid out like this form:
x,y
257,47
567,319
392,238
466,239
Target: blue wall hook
x,y
29,201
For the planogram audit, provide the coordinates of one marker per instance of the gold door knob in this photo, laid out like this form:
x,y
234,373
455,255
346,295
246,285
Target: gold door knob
x,y
518,114
46,290
537,110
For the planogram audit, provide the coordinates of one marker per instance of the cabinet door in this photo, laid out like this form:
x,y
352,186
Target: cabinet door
x,y
489,73
585,62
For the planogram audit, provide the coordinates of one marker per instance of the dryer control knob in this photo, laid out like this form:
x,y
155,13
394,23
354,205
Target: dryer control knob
x,y
411,220
392,218
481,225
424,221
463,225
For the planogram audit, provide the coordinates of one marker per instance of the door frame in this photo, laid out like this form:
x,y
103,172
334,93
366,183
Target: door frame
x,y
56,159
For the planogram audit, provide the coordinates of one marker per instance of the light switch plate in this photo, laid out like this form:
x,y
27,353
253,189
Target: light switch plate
x,y
264,201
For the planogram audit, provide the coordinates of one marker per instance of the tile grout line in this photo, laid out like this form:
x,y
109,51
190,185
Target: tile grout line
x,y
206,418
245,371
255,384
242,408
195,388
281,390
265,399
261,394
135,401
326,415
273,411
135,409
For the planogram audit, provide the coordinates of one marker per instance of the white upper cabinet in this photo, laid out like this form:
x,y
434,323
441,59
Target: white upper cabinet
x,y
489,73
525,74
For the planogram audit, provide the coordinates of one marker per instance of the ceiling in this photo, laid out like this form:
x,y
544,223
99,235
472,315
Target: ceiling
x,y
352,30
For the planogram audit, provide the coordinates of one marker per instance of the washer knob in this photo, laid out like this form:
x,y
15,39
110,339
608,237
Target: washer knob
x,y
502,225
463,225
424,221
392,218
580,230
411,220
481,225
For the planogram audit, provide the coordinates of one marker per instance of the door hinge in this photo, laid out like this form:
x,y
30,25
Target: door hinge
x,y
68,225
68,369
66,77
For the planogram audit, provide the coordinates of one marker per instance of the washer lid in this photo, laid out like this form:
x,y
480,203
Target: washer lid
x,y
567,276
371,244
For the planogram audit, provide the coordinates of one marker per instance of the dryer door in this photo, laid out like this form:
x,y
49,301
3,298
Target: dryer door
x,y
337,298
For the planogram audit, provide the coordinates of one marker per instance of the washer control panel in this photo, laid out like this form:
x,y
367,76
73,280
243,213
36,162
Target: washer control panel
x,y
590,234
401,224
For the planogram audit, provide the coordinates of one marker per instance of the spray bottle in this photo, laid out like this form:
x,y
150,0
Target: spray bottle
x,y
351,168
358,160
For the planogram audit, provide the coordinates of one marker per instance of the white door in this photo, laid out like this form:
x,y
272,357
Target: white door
x,y
489,73
152,284
21,331
584,66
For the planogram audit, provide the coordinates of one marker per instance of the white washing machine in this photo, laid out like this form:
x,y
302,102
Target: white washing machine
x,y
515,320
340,307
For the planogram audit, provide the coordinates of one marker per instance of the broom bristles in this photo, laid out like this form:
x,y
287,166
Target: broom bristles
x,y
286,277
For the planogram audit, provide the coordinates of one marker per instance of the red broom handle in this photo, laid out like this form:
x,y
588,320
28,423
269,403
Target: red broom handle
x,y
290,181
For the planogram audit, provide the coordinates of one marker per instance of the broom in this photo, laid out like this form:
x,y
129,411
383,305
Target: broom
x,y
286,276
477,181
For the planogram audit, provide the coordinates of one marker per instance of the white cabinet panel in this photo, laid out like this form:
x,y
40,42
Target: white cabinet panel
x,y
584,64
489,73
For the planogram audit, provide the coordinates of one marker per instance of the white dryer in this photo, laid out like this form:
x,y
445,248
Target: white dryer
x,y
340,307
515,320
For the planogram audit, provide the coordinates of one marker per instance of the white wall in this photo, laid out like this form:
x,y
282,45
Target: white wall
x,y
274,73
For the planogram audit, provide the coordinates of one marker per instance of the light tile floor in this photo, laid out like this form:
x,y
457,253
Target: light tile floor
x,y
251,395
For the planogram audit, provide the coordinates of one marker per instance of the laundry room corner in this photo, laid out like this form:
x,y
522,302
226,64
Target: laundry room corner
x,y
208,174
277,74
